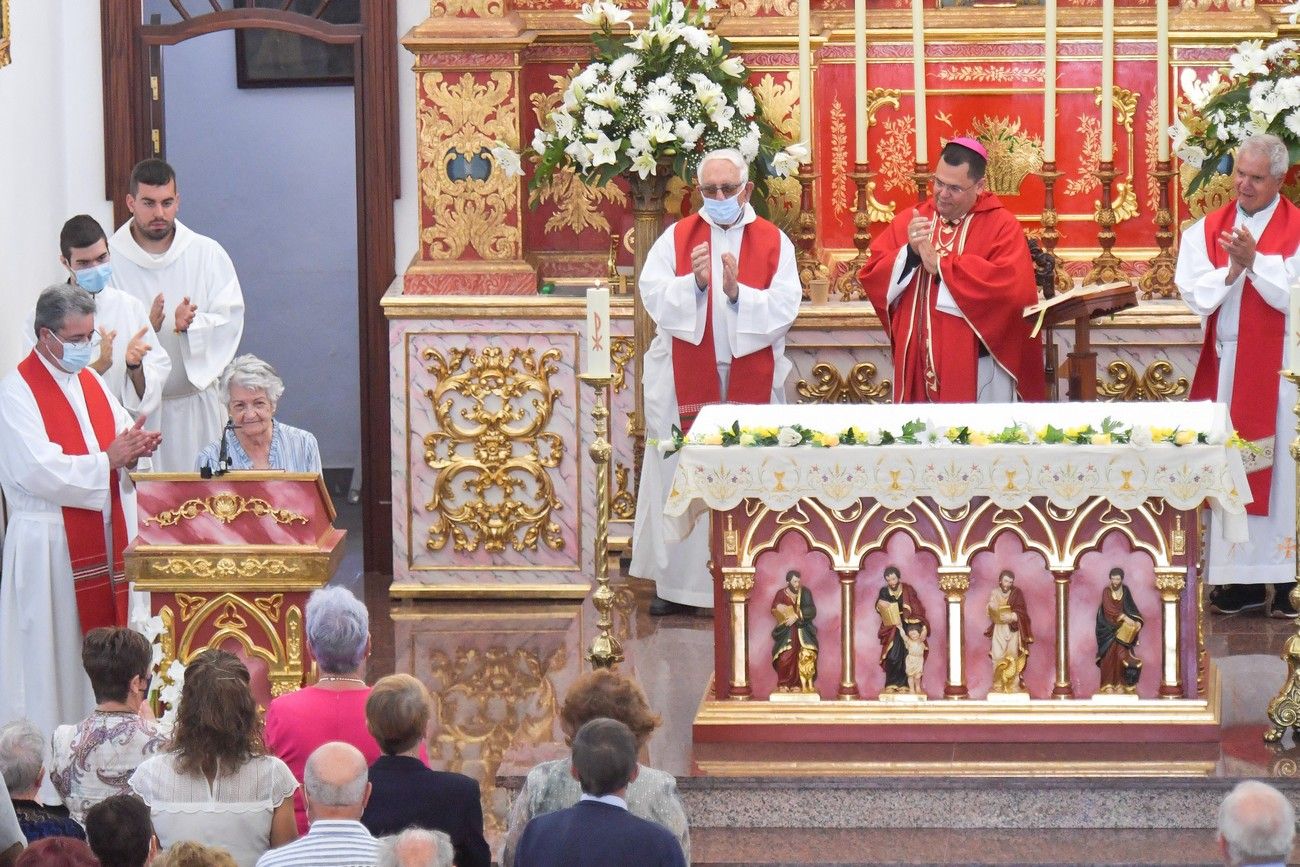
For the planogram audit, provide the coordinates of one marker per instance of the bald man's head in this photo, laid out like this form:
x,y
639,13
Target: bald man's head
x,y
1256,825
334,782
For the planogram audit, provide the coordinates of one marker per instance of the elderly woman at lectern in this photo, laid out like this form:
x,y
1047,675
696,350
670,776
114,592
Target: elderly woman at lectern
x,y
253,439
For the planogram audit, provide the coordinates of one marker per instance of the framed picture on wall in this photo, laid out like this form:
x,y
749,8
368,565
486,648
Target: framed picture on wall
x,y
274,58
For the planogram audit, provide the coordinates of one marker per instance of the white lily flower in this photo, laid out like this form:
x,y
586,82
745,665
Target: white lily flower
x,y
1193,155
152,628
604,151
1249,58
733,66
644,165
507,160
659,130
541,140
689,134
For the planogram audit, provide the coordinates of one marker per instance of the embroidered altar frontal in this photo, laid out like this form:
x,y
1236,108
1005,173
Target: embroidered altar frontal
x,y
959,573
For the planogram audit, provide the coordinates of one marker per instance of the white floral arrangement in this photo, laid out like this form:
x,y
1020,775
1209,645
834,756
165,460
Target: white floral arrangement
x,y
166,683
652,102
1257,92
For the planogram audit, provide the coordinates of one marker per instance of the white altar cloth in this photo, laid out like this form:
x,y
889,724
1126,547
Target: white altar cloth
x,y
720,477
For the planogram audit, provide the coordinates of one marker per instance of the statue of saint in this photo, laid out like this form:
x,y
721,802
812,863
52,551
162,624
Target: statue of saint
x,y
794,638
900,612
1011,632
1118,625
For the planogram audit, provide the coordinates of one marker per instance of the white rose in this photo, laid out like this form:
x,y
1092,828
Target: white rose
x,y
745,102
1141,436
788,436
874,438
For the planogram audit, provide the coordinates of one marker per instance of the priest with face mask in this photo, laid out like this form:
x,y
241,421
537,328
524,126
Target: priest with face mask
x,y
722,288
66,449
132,369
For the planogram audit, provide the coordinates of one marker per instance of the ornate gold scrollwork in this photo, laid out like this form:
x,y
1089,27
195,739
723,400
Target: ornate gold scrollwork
x,y
251,623
492,437
480,8
753,8
1013,155
858,387
490,700
1155,383
954,585
213,568
779,103
1170,583
738,582
1124,196
457,124
621,351
225,507
878,98
623,503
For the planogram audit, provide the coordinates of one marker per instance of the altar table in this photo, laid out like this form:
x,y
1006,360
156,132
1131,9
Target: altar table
x,y
952,517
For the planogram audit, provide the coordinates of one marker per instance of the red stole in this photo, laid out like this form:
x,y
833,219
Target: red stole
x,y
101,595
1260,332
695,365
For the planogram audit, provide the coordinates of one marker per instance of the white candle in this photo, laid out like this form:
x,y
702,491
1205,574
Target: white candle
x,y
860,77
1162,78
805,75
918,79
1049,84
598,331
1107,80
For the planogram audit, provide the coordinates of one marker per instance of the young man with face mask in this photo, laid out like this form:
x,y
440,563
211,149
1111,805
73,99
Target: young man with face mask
x,y
132,368
722,288
66,448
949,280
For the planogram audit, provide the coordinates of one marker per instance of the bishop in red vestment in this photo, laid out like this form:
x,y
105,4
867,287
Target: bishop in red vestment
x,y
950,279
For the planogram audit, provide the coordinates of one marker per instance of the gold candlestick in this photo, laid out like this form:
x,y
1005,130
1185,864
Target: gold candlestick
x,y
921,175
1061,279
605,651
1158,281
849,287
1106,267
1284,709
805,258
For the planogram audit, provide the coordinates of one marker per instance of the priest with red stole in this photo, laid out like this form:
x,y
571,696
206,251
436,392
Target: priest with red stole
x,y
66,447
722,288
1236,269
949,279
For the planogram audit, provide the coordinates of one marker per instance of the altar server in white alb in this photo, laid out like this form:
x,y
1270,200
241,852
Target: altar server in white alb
x,y
189,285
66,448
132,369
723,289
1237,267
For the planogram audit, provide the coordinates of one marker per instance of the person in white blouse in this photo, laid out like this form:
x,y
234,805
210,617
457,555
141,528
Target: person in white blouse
x,y
1237,267
216,784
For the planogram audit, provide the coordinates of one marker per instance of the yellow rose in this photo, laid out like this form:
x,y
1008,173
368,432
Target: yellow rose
x,y
1073,432
1184,437
1160,434
828,440
713,439
1101,439
952,433
979,439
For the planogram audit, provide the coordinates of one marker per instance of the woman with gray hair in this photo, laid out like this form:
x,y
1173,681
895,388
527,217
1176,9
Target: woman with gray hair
x,y
334,708
22,762
253,440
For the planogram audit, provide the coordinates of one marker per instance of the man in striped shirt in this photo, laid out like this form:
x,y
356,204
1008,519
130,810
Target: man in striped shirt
x,y
336,789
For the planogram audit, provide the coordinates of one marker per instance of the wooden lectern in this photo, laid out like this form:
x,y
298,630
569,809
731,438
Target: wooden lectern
x,y
1078,307
230,561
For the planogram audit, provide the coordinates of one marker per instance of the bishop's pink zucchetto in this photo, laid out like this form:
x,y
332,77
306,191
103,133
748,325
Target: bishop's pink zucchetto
x,y
971,145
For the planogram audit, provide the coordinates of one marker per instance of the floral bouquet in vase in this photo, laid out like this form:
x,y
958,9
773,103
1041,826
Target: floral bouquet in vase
x,y
652,102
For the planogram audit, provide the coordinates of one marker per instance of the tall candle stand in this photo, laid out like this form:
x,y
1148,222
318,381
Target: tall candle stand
x,y
805,258
1284,709
1158,281
1051,237
850,288
1106,267
605,650
921,176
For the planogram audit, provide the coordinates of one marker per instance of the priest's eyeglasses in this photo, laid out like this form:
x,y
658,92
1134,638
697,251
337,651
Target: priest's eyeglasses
x,y
92,341
952,189
711,191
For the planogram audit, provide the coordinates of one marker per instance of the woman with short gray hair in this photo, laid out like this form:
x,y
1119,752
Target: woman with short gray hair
x,y
253,440
22,763
334,708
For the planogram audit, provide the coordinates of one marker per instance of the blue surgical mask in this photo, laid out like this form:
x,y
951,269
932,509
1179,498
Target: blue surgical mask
x,y
76,355
723,212
93,280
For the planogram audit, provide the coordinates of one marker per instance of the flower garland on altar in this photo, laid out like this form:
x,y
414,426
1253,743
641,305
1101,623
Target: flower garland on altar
x,y
1257,92
918,432
653,102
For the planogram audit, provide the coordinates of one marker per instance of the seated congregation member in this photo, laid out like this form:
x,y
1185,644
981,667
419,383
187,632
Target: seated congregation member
x,y
337,790
11,836
551,786
408,794
215,784
251,391
599,830
22,757
416,847
120,832
1256,825
57,852
93,759
334,708
187,853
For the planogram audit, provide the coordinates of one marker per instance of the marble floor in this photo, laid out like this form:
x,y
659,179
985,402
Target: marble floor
x,y
499,672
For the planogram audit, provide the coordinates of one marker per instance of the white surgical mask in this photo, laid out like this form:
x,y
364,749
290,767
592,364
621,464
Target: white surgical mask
x,y
723,212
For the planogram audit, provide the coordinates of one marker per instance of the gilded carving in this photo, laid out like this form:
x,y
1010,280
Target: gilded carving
x,y
6,53
1155,383
841,194
225,507
992,74
623,503
1012,154
878,98
487,701
270,606
217,568
828,386
457,124
1228,5
954,585
754,8
190,605
1209,197
492,452
1170,584
233,616
480,8
778,101
1125,196
738,582
621,351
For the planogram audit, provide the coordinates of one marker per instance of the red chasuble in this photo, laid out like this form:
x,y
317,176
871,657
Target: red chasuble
x,y
101,595
695,365
984,261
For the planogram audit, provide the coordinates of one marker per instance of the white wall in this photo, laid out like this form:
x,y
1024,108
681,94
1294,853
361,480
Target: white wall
x,y
406,217
51,149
